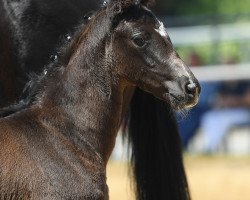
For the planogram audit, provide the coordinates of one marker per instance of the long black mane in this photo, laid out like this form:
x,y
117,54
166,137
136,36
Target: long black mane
x,y
156,150
153,134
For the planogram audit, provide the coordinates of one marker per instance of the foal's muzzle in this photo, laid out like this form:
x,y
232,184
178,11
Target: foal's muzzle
x,y
184,92
192,89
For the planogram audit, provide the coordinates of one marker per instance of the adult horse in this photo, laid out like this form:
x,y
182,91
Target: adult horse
x,y
30,31
156,155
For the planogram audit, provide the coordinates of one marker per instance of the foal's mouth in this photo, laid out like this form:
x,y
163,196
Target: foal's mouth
x,y
178,98
178,101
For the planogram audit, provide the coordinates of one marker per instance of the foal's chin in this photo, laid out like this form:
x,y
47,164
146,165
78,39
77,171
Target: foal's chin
x,y
180,105
179,102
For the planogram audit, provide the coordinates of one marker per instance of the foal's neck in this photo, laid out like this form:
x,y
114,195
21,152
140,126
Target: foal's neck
x,y
87,94
91,100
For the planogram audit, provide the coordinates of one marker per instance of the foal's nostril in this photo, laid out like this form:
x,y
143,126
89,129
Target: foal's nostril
x,y
191,88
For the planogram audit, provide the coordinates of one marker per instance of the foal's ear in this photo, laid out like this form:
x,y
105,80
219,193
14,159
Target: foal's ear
x,y
121,5
147,3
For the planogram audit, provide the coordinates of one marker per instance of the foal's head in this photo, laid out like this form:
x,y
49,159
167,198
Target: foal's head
x,y
145,56
142,53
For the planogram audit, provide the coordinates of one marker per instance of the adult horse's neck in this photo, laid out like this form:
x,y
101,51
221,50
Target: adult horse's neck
x,y
88,97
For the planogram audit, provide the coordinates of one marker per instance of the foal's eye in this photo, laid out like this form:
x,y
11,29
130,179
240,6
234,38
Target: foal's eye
x,y
139,41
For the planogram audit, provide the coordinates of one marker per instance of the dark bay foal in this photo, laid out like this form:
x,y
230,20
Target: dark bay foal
x,y
59,146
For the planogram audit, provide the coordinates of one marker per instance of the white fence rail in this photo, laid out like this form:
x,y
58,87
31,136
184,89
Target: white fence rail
x,y
205,34
222,72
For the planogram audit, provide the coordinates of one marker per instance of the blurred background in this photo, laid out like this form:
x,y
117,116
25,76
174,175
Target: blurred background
x,y
213,38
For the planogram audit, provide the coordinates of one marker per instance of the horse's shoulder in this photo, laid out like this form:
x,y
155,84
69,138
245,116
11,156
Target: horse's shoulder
x,y
46,165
